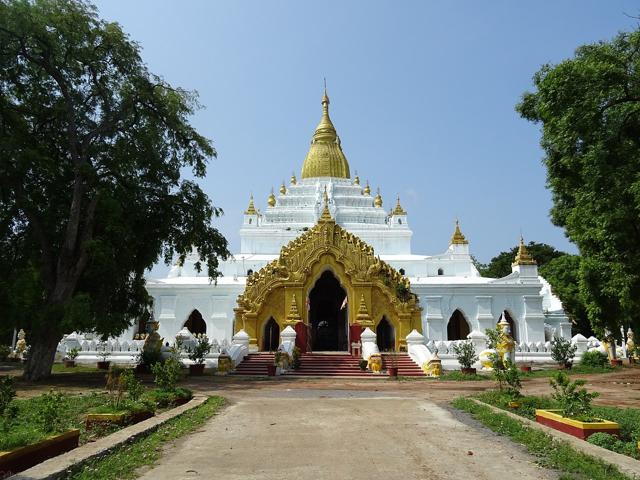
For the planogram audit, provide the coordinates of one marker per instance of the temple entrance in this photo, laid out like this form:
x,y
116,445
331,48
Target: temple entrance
x,y
457,328
385,336
512,325
271,336
328,315
195,323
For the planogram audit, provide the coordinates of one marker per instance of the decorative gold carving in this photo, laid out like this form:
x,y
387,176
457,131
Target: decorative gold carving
x,y
458,238
325,157
367,189
399,210
356,180
523,257
251,209
294,180
283,189
302,261
293,317
363,317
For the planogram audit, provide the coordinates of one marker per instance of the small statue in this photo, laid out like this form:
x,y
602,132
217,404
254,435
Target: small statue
x,y
21,345
225,365
433,367
375,363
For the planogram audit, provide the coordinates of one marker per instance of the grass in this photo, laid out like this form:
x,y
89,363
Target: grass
x,y
576,370
59,368
125,460
30,423
550,452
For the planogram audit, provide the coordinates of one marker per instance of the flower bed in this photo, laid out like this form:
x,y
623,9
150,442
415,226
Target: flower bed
x,y
577,428
21,458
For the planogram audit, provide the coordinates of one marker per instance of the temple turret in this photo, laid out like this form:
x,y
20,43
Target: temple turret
x,y
398,215
251,214
458,243
524,262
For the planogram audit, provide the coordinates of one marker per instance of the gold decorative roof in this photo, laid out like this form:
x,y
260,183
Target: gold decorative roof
x,y
271,201
326,214
294,315
458,238
399,210
325,157
523,257
251,209
378,200
367,189
283,189
363,312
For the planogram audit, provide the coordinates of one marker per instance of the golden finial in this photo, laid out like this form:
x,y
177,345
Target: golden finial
x,y
271,201
326,214
523,257
367,189
399,210
293,316
363,312
251,209
283,189
377,202
356,180
458,238
294,180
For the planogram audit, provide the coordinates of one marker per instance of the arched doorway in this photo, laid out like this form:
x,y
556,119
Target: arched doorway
x,y
328,315
512,325
457,328
271,336
195,323
385,336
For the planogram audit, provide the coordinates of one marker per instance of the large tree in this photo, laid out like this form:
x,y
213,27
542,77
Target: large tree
x,y
589,110
92,149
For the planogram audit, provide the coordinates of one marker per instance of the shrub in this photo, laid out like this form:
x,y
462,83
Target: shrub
x,y
7,394
167,373
575,402
563,351
5,350
200,350
465,353
363,364
51,411
149,357
295,360
594,358
613,443
72,354
281,359
131,385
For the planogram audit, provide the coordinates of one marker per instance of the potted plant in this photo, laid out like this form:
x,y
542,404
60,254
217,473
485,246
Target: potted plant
x,y
103,354
575,415
563,351
70,357
525,368
198,354
281,360
363,364
466,354
295,358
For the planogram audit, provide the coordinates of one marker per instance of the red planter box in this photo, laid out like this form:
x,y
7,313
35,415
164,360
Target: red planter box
x,y
21,458
583,430
196,369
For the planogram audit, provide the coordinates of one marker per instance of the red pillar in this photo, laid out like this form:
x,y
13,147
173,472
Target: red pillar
x,y
301,336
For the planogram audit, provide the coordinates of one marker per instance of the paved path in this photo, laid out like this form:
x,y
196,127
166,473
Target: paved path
x,y
342,434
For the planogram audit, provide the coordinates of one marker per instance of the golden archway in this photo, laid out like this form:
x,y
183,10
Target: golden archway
x,y
374,288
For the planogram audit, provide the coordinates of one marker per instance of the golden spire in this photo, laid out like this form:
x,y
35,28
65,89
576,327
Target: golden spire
x,y
458,238
325,157
283,189
326,214
251,209
367,189
523,257
363,312
294,180
271,201
378,200
399,210
293,316
356,180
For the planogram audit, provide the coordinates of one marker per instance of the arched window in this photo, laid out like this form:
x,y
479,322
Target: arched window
x,y
249,272
440,271
457,328
250,221
401,271
195,323
399,221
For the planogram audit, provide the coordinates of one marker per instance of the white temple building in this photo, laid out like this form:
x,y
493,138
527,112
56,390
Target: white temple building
x,y
263,288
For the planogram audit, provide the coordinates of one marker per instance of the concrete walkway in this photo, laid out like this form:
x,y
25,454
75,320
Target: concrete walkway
x,y
342,434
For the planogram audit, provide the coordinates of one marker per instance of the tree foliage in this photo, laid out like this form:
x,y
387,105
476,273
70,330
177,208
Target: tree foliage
x,y
589,110
92,147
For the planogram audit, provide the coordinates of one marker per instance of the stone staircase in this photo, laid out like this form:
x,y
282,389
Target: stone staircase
x,y
326,365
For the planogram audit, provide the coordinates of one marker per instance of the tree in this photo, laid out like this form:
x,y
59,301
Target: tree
x,y
92,146
500,265
589,110
563,274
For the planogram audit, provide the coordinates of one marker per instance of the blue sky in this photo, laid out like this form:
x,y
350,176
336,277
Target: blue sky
x,y
422,95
